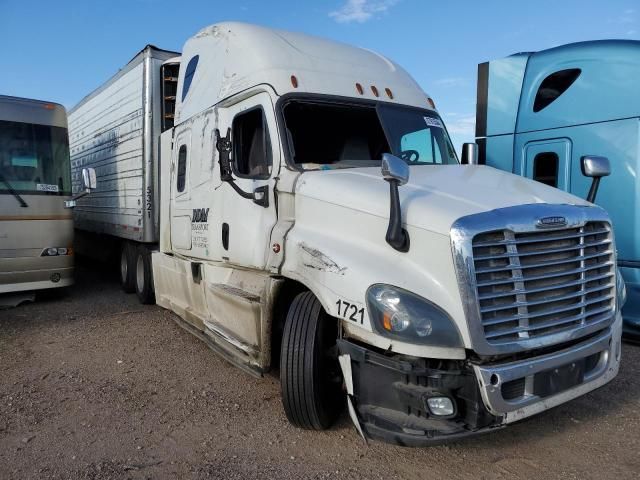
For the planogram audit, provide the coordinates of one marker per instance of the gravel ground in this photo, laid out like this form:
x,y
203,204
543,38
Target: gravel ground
x,y
95,386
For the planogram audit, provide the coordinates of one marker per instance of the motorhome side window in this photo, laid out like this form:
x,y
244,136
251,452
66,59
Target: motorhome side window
x,y
188,75
251,145
553,86
182,168
545,168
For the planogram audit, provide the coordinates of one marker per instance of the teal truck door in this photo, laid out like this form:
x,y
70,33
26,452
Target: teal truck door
x,y
548,162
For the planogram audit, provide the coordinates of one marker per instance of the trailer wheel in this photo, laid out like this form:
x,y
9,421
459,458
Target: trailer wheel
x,y
144,276
310,375
127,267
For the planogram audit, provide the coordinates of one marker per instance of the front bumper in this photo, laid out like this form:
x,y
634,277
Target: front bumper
x,y
390,392
35,273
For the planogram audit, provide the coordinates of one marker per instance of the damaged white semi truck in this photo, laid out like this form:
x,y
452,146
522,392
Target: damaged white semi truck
x,y
297,202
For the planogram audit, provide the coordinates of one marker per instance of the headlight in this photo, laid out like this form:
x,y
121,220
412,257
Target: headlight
x,y
56,251
621,289
402,315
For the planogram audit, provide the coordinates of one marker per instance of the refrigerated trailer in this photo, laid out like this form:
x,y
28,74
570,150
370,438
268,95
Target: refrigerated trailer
x,y
309,211
116,130
36,228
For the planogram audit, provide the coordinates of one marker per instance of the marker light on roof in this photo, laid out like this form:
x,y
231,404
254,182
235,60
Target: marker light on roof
x,y
359,89
375,90
431,103
389,93
294,81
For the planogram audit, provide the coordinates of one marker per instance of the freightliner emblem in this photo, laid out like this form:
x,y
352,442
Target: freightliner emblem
x,y
551,222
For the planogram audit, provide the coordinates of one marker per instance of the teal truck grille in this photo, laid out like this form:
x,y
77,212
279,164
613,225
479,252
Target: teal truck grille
x,y
533,284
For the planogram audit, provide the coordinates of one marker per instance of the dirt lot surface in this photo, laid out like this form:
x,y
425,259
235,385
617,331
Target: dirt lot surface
x,y
95,386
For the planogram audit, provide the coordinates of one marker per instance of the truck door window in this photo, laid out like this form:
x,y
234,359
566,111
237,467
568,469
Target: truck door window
x,y
545,168
251,145
182,168
188,75
553,86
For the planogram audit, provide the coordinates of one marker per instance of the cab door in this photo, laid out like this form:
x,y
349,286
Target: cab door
x,y
548,162
246,227
180,204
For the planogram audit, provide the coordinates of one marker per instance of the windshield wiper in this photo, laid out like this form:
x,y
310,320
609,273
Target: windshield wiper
x,y
13,192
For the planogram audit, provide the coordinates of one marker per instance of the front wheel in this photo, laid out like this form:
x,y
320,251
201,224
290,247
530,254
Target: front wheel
x,y
144,276
310,375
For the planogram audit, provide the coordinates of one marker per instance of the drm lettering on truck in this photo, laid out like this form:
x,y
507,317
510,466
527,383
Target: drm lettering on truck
x,y
311,212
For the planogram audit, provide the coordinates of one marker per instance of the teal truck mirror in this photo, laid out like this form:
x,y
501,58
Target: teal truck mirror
x,y
596,168
469,154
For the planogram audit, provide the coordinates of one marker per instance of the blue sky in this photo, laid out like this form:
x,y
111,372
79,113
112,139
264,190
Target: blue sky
x,y
61,50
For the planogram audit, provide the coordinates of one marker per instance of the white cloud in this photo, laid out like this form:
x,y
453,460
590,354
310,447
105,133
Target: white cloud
x,y
628,17
452,82
361,11
461,124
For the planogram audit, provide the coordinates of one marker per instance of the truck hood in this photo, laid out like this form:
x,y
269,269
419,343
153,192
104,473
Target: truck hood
x,y
435,196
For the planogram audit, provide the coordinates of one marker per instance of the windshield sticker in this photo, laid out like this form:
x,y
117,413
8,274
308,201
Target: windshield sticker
x,y
43,187
433,122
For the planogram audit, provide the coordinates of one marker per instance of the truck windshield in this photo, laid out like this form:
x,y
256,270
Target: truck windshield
x,y
324,135
34,159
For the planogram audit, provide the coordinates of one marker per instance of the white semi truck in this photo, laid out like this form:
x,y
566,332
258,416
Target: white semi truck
x,y
297,202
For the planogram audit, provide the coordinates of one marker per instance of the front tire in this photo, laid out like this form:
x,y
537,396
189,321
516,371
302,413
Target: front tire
x,y
144,277
309,371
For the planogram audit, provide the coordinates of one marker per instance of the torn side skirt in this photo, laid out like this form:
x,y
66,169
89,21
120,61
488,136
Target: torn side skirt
x,y
391,392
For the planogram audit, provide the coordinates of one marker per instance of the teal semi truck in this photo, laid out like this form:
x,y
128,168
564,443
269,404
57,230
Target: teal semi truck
x,y
539,114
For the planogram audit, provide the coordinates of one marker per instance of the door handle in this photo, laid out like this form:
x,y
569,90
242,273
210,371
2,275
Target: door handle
x,y
261,196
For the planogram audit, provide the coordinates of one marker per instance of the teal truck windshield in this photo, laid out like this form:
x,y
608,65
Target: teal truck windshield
x,y
328,135
34,159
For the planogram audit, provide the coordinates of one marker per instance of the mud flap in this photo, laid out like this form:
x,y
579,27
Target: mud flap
x,y
345,366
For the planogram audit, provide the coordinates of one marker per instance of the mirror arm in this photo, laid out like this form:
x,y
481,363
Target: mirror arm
x,y
396,236
260,195
593,191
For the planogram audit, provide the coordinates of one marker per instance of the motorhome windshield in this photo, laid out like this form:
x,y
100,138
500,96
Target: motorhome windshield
x,y
324,135
34,159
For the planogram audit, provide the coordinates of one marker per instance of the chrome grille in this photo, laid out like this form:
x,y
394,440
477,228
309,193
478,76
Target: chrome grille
x,y
532,284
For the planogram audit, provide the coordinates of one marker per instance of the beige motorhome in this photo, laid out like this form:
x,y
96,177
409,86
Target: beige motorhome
x,y
36,228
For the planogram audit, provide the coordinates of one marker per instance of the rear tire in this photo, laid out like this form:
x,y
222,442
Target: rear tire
x,y
144,276
127,267
310,375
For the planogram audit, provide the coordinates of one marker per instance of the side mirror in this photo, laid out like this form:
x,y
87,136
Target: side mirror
x,y
89,181
394,168
396,172
594,167
223,145
469,154
260,195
